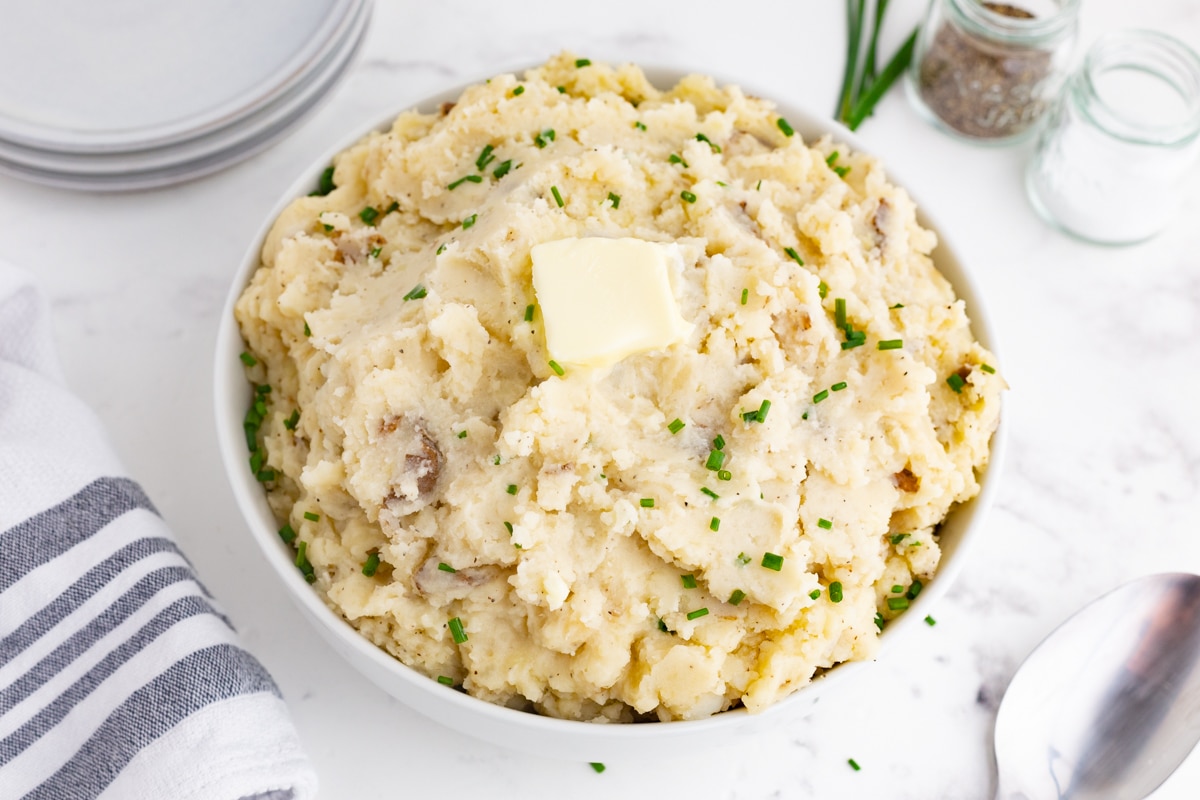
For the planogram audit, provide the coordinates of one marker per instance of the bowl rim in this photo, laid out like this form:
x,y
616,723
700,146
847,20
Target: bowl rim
x,y
230,383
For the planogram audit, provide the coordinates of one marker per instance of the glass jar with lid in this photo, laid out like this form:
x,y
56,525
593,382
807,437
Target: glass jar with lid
x,y
986,71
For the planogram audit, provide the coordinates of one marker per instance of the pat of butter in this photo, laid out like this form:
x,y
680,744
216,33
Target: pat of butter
x,y
603,300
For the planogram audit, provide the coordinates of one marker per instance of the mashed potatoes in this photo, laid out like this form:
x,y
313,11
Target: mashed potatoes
x,y
690,529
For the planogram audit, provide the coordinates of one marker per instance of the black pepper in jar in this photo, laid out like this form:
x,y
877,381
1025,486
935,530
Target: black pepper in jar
x,y
980,76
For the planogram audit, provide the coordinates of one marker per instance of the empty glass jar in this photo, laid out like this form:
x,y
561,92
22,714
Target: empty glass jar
x,y
1114,160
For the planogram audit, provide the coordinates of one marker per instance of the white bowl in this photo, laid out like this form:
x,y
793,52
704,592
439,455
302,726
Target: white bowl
x,y
519,730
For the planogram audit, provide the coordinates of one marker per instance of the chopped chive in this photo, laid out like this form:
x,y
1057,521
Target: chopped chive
x,y
988,368
853,335
325,185
639,125
375,251
677,159
853,343
582,62
897,603
445,680
709,492
496,459
327,227
371,564
897,588
441,249
464,179
557,197
688,196
763,409
311,517
815,594
737,597
290,422
891,344
369,215
853,764
512,488
724,475
835,591
804,415
508,526
469,221
837,387
286,533
248,359
745,296
772,561
395,206
456,630
714,524
715,459
689,581
416,293
783,125
793,255
841,171
676,425
529,313
262,388
597,766
544,138
758,185
307,330
700,137
821,395
956,382
839,312
616,200
646,502
914,590
557,369
256,459
561,89
898,305
832,158
519,90
662,626
822,289
444,567
743,559
880,622
898,537
719,442
930,621
302,563
502,170
485,157
697,614
824,523
462,434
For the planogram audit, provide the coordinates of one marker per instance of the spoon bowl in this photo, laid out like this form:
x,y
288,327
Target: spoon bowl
x,y
1108,705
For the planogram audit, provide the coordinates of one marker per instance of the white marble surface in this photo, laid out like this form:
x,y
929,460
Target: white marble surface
x,y
1101,346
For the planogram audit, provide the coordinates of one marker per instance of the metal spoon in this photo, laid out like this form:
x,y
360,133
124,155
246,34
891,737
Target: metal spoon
x,y
1108,706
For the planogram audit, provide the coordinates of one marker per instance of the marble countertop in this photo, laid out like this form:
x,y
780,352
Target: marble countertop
x,y
1101,348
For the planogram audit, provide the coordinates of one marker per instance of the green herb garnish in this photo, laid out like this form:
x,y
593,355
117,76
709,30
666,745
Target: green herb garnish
x,y
325,185
302,563
290,422
891,344
897,603
444,567
485,157
697,614
369,215
990,370
792,254
689,581
783,125
557,369
248,359
772,561
956,382
312,517
835,591
716,459
743,559
416,293
853,764
821,395
646,502
824,523
582,62
502,170
745,296
286,533
930,621
676,425
445,680
469,221
709,492
616,200
737,597
544,138
700,137
456,630
837,387
371,564
464,179
815,594
557,197
861,87
519,90
529,313
714,524
688,196
676,159
512,488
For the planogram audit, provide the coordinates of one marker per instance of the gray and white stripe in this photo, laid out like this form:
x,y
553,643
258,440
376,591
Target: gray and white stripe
x,y
107,642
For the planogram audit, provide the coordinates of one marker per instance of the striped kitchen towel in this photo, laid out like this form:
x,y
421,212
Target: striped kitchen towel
x,y
120,676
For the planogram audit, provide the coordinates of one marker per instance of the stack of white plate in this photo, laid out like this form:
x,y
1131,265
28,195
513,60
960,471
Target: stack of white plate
x,y
132,94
